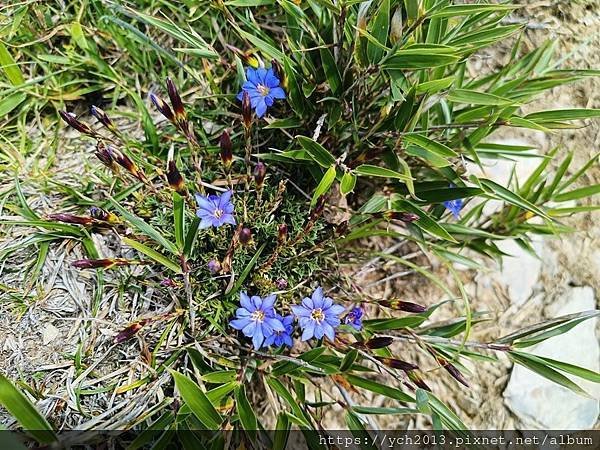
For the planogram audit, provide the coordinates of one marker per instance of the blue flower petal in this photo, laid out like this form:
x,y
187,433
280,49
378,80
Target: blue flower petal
x,y
275,324
239,324
261,74
252,76
300,311
261,108
271,80
309,331
205,223
329,331
319,331
246,302
257,338
269,100
277,92
250,329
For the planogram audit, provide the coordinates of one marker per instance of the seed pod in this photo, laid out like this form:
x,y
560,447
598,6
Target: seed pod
x,y
107,263
402,216
247,110
245,236
226,149
397,364
102,118
282,234
82,127
130,331
403,306
164,109
214,266
260,171
71,218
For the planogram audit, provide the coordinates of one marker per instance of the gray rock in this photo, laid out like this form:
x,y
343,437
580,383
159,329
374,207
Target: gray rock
x,y
520,271
541,404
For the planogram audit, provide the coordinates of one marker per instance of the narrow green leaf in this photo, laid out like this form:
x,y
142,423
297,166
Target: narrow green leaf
x,y
576,194
428,144
348,182
376,171
379,31
324,184
511,197
316,151
245,411
25,412
197,401
161,259
379,388
478,98
10,67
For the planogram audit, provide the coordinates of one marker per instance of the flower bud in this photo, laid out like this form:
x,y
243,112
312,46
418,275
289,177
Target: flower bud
x,y
281,283
245,236
246,109
123,160
397,364
176,102
282,234
175,179
129,331
168,282
403,306
70,218
396,26
71,119
102,118
214,267
260,171
226,149
379,342
107,263
455,373
415,377
164,109
100,214
279,73
318,208
400,215
105,155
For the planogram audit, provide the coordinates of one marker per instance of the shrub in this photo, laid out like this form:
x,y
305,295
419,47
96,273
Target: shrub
x,y
232,217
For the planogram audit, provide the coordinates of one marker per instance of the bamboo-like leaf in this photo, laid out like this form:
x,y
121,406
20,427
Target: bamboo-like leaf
x,y
316,151
478,98
144,227
466,10
348,182
510,197
197,401
324,184
379,388
161,259
244,410
376,171
545,371
580,372
379,31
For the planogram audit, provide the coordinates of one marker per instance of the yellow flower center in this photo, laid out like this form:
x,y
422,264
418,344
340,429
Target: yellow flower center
x,y
317,315
258,315
218,213
263,90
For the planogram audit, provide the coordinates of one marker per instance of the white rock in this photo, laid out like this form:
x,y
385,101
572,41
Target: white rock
x,y
520,271
49,333
542,404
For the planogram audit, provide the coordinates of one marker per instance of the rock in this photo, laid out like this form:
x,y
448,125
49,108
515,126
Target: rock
x,y
520,271
49,333
542,404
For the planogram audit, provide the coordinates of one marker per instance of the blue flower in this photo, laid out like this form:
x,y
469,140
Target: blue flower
x,y
257,319
215,210
279,338
318,316
354,318
263,87
454,206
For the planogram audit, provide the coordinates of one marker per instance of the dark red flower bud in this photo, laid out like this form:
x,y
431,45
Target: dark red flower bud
x,y
106,263
121,159
103,118
452,370
282,234
403,306
176,102
246,109
226,149
378,342
105,216
164,109
260,171
105,155
318,208
402,216
245,236
175,179
397,364
168,282
70,218
130,331
415,377
71,119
